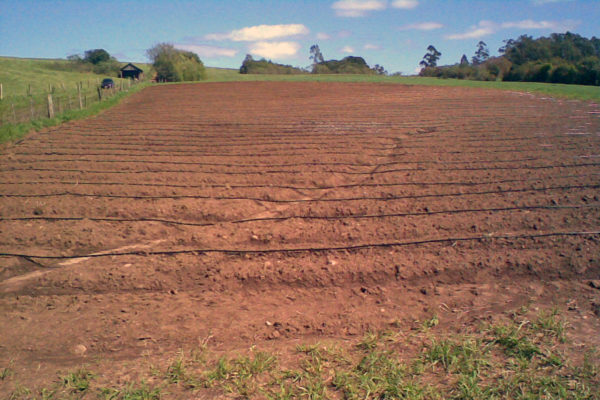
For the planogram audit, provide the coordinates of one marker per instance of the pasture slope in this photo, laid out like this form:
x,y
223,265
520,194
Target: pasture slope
x,y
221,216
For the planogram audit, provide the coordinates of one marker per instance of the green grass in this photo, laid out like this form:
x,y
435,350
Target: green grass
x,y
515,359
17,75
28,81
549,89
12,132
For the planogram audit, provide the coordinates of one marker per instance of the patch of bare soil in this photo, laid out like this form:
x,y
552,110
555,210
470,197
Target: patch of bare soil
x,y
274,214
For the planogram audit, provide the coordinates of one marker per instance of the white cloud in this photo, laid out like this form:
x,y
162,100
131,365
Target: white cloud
x,y
208,51
274,49
422,26
558,26
347,49
542,2
405,4
260,32
357,8
484,28
323,36
371,46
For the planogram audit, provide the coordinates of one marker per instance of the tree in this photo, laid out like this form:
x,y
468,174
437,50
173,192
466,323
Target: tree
x,y
482,53
430,58
174,65
379,69
315,54
464,60
245,68
96,56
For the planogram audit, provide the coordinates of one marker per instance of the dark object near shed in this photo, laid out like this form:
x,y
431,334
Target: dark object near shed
x,y
107,84
131,71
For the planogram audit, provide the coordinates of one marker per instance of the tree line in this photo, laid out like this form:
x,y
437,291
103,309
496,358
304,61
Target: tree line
x,y
347,65
559,58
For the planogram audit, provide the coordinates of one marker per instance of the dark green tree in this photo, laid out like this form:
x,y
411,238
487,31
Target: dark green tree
x,y
464,60
96,56
481,54
430,58
174,65
379,69
315,54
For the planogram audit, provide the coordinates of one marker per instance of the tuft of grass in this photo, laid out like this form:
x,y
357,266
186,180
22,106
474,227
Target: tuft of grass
x,y
7,371
131,392
549,323
78,380
515,342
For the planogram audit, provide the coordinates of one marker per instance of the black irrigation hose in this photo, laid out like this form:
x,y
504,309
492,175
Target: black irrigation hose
x,y
331,171
178,153
88,160
369,139
306,217
308,249
259,199
192,144
271,186
192,154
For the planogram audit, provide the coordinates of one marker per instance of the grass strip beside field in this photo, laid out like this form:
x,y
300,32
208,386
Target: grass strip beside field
x,y
578,92
523,355
12,132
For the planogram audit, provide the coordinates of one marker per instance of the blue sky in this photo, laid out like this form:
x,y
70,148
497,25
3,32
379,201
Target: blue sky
x,y
392,33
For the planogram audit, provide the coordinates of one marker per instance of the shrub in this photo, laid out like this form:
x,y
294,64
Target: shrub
x,y
174,65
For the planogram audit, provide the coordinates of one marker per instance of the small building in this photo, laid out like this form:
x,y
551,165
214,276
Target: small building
x,y
132,72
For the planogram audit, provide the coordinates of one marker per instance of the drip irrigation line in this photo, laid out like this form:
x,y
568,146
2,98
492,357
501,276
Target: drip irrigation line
x,y
259,199
309,249
227,136
272,186
308,217
187,153
487,138
324,171
277,141
367,144
88,160
193,154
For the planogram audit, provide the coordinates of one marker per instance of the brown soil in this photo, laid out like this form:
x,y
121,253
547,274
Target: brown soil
x,y
278,213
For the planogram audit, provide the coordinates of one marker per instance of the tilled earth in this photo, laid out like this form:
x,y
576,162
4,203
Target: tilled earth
x,y
276,213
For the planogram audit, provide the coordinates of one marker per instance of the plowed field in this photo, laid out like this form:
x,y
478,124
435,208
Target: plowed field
x,y
277,213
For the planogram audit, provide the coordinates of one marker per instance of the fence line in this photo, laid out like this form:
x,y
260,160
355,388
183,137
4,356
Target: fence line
x,y
57,100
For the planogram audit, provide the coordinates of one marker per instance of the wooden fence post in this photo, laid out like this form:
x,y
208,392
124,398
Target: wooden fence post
x,y
99,94
50,106
79,95
31,107
12,108
29,90
1,93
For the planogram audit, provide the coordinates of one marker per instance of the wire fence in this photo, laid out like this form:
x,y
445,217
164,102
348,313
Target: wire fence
x,y
57,100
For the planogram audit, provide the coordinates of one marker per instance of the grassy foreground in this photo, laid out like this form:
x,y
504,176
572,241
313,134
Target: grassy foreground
x,y
526,356
579,92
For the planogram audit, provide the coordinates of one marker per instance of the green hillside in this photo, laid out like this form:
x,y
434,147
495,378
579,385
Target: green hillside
x,y
19,75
